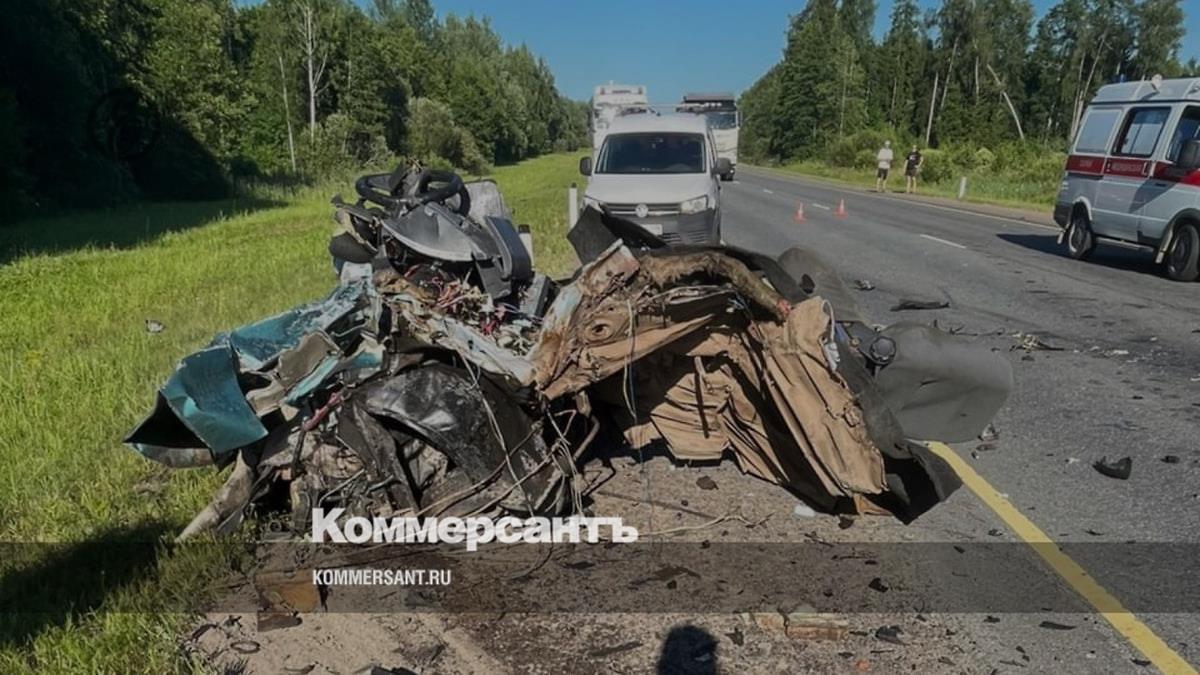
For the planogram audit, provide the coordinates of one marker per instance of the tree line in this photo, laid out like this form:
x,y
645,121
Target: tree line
x,y
103,101
967,74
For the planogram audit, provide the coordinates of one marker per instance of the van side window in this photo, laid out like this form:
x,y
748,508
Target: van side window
x,y
1141,132
1096,130
1187,129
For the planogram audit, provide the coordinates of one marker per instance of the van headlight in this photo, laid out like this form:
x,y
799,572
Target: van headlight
x,y
594,203
694,205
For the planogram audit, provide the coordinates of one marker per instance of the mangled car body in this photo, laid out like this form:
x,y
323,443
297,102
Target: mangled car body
x,y
445,376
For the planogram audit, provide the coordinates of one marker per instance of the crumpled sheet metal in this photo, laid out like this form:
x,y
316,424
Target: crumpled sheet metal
x,y
708,378
203,405
688,346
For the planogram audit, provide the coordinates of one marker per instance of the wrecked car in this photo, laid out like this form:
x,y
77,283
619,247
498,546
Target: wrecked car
x,y
444,375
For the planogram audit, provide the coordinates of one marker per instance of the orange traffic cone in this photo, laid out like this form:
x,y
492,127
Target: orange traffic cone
x,y
799,212
841,209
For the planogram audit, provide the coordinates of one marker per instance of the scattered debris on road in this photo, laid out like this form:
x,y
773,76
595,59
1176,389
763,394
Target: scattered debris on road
x,y
1053,625
905,304
864,285
890,634
445,376
1119,469
989,434
1030,342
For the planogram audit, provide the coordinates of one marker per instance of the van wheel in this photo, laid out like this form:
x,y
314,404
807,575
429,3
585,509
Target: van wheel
x,y
1183,258
1080,241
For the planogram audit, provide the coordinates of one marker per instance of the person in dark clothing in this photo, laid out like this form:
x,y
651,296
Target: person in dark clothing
x,y
912,164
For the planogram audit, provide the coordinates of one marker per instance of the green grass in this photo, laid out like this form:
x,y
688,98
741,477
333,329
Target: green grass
x,y
78,369
536,191
983,189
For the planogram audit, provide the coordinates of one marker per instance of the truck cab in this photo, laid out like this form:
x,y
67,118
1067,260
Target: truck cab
x,y
1133,174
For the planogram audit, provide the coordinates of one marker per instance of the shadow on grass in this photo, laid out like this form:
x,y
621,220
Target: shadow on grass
x,y
43,586
119,227
1108,255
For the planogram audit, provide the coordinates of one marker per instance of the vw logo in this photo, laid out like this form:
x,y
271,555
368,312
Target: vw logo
x,y
642,210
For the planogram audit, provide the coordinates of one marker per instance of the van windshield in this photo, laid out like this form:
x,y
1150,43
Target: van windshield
x,y
657,152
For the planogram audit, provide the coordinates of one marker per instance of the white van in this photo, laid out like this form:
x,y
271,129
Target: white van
x,y
1133,174
662,173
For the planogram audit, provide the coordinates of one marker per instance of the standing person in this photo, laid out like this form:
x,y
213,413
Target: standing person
x,y
912,163
884,163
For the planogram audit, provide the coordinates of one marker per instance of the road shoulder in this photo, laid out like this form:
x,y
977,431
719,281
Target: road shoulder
x,y
1043,218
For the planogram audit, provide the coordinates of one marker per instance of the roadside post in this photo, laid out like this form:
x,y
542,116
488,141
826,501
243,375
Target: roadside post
x,y
572,206
962,188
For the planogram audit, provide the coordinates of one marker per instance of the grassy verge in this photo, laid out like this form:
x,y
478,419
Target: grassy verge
x,y
78,368
982,189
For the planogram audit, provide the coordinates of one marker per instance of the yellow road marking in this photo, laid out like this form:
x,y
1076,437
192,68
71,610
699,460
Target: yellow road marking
x,y
1124,621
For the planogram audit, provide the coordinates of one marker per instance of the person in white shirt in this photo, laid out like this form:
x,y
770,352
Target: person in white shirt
x,y
884,163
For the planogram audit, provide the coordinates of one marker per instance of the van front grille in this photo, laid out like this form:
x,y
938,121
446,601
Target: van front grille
x,y
653,210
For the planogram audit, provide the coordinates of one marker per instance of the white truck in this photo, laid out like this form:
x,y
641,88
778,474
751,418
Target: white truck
x,y
720,110
610,101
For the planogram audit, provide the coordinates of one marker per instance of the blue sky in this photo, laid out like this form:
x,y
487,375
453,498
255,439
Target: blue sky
x,y
671,46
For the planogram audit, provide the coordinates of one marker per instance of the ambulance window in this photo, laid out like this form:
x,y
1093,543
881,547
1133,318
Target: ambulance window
x,y
1187,129
1096,130
1142,129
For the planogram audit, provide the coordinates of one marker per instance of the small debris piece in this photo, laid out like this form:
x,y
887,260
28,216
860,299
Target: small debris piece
x,y
995,532
862,665
906,304
154,327
1030,342
1094,533
814,626
274,620
399,670
864,285
1072,460
1119,469
945,661
615,649
1170,459
737,637
985,447
706,483
989,434
1140,662
1117,352
878,584
245,646
845,522
202,629
991,619
803,511
1053,625
890,634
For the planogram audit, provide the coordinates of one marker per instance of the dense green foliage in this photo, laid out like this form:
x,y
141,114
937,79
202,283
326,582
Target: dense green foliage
x,y
977,79
104,101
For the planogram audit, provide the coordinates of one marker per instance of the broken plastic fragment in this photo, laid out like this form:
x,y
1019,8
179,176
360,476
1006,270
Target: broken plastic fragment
x,y
1120,469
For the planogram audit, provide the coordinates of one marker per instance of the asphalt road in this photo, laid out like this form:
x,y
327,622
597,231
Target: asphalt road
x,y
1123,378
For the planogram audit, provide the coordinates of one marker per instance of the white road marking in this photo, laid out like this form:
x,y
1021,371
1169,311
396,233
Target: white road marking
x,y
943,241
770,192
821,206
